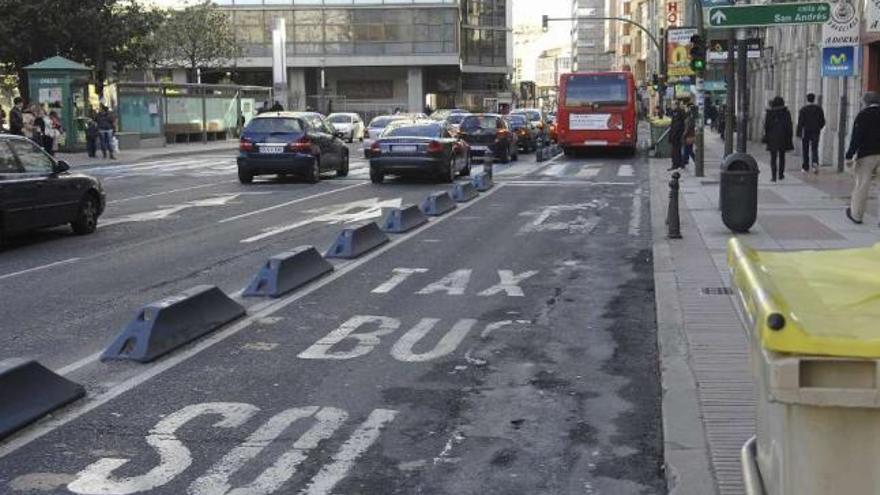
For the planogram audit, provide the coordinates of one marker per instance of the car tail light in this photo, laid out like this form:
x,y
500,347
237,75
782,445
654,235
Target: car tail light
x,y
245,145
521,132
303,145
615,121
435,147
500,135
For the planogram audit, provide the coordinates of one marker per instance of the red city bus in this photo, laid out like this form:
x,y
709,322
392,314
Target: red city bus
x,y
597,109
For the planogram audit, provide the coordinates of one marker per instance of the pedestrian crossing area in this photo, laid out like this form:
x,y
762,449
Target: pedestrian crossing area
x,y
202,166
565,170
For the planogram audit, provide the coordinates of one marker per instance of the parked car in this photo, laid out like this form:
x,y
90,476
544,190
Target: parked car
x,y
527,135
291,143
350,124
488,133
536,117
37,191
376,126
424,148
453,121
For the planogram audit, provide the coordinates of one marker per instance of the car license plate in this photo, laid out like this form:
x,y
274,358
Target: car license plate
x,y
271,149
479,148
594,142
403,149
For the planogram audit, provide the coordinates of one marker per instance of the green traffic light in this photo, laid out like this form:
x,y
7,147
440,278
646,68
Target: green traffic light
x,y
698,65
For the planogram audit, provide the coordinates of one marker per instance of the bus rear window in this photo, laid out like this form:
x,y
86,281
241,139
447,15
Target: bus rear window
x,y
596,89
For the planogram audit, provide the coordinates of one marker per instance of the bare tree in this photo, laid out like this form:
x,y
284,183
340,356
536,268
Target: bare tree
x,y
200,36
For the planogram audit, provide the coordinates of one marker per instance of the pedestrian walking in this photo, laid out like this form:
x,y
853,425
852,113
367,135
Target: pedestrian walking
x,y
778,136
722,120
811,120
676,135
92,137
864,146
690,136
277,107
106,128
2,120
41,128
16,117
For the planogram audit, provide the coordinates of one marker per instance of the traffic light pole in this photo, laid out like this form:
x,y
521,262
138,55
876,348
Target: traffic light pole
x,y
699,168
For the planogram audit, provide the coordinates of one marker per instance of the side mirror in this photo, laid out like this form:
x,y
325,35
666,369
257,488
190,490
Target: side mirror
x,y
60,166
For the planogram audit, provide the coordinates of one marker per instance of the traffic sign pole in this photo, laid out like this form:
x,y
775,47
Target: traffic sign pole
x,y
742,112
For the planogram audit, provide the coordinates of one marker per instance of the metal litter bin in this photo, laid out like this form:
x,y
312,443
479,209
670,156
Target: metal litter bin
x,y
815,354
738,195
660,138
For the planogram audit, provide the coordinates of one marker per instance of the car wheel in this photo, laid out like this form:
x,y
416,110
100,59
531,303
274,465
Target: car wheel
x,y
314,175
86,220
245,177
342,171
376,177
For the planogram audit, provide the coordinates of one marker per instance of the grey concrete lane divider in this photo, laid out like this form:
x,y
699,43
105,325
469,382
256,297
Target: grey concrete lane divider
x,y
437,204
29,391
351,243
462,192
482,181
400,220
285,272
167,324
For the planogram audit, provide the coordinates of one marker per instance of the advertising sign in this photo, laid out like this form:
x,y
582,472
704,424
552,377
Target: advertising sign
x,y
838,61
678,55
717,50
673,13
842,28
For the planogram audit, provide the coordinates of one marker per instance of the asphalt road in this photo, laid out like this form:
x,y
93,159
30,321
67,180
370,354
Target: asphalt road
x,y
507,347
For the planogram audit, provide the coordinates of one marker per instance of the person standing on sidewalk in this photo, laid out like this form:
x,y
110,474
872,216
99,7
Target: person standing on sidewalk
x,y
811,120
676,136
864,145
106,127
690,136
16,117
778,136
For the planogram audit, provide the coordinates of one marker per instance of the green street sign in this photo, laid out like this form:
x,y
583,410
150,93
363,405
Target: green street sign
x,y
774,14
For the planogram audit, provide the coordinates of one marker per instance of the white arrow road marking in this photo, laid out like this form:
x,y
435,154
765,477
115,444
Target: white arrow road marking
x,y
167,211
356,211
580,224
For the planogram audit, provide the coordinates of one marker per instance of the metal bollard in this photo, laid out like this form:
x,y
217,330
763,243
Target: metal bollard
x,y
539,151
488,162
673,223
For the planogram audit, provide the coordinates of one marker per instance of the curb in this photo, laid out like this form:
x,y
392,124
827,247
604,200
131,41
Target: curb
x,y
685,448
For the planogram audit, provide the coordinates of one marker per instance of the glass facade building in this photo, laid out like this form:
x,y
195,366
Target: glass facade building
x,y
377,53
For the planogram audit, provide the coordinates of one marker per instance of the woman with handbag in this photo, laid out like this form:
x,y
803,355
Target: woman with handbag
x,y
778,133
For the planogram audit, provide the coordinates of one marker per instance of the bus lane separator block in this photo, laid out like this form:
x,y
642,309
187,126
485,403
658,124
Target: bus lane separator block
x,y
287,271
400,220
353,242
437,204
162,326
482,181
29,391
462,192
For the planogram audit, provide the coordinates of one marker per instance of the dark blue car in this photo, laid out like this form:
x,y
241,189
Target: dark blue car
x,y
290,143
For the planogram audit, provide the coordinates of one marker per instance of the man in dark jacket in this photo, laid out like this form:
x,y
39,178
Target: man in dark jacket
x,y
676,135
777,136
16,117
864,145
811,120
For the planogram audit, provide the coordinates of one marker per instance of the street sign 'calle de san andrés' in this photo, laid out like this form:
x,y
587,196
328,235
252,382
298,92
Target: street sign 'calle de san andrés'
x,y
774,14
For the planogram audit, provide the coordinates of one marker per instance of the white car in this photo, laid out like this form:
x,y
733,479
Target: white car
x,y
349,124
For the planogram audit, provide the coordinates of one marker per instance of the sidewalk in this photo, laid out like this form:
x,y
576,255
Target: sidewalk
x,y
81,159
709,398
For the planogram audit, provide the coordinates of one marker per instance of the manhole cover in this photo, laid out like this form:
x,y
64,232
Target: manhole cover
x,y
717,291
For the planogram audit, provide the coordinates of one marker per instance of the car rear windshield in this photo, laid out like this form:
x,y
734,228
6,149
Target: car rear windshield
x,y
381,122
476,122
432,130
340,119
274,124
584,90
529,114
456,118
516,120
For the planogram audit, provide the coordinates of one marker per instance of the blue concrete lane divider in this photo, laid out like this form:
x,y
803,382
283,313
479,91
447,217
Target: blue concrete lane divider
x,y
437,204
482,181
462,192
285,272
29,391
400,220
167,324
351,243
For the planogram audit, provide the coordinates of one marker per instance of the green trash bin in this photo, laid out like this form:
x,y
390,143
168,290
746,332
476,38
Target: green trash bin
x,y
660,138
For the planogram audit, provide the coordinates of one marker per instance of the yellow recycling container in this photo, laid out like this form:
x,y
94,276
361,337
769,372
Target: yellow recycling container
x,y
815,345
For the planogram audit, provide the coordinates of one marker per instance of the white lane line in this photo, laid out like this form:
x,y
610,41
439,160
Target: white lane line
x,y
625,171
635,219
145,196
587,172
256,313
556,170
70,368
38,268
288,203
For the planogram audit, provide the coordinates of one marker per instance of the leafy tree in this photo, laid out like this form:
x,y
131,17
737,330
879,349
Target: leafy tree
x,y
199,36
